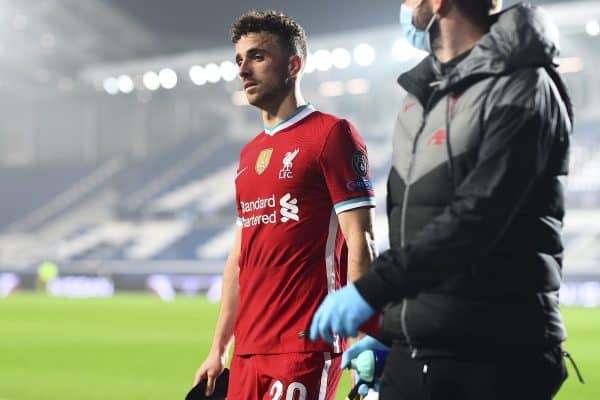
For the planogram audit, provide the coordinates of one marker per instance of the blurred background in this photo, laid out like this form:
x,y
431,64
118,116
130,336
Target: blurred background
x,y
122,123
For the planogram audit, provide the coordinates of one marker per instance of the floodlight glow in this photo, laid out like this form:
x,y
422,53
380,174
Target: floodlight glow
x,y
197,75
213,73
358,86
323,60
111,85
167,78
125,84
592,27
229,71
331,89
341,58
364,54
310,63
151,80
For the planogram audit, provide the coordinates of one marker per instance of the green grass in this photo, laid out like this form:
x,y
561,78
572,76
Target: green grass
x,y
135,347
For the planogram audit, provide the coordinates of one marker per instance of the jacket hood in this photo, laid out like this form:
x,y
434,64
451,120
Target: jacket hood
x,y
519,36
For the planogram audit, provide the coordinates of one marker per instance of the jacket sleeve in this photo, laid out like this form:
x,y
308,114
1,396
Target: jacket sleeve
x,y
514,151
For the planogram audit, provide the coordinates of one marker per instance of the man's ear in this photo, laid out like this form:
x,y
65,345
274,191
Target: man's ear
x,y
441,7
295,65
437,6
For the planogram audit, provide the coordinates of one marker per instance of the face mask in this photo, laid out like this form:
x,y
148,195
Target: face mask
x,y
417,38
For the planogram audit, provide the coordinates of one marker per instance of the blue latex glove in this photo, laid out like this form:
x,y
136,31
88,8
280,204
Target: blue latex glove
x,y
367,359
342,313
364,344
363,388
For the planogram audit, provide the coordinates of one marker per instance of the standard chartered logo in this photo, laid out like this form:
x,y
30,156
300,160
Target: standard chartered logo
x,y
289,209
263,211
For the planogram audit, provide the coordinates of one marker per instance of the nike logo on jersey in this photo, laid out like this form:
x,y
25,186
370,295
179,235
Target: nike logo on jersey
x,y
241,171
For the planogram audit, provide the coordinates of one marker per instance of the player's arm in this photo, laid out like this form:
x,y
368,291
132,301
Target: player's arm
x,y
357,228
345,167
214,364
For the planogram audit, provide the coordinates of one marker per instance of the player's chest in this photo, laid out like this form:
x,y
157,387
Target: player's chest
x,y
278,166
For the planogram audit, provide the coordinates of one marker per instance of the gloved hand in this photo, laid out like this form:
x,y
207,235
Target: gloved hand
x,y
360,388
341,313
365,344
367,359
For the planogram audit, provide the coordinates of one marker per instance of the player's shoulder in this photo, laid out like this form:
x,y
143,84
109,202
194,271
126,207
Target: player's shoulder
x,y
328,120
331,125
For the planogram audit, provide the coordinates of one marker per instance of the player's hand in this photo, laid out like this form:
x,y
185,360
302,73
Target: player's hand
x,y
342,313
210,370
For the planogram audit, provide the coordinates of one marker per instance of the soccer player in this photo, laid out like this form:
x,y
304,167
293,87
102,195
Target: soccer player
x,y
304,199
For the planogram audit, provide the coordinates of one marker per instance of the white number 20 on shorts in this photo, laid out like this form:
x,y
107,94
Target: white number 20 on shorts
x,y
277,391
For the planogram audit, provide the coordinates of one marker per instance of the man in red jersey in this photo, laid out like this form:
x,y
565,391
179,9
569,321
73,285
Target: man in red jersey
x,y
304,198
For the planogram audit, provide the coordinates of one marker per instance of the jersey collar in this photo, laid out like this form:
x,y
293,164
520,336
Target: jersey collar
x,y
301,113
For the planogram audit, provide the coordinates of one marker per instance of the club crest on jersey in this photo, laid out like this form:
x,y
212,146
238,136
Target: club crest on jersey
x,y
262,162
286,171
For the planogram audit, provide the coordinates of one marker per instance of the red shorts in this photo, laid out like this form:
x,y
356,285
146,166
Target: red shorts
x,y
293,376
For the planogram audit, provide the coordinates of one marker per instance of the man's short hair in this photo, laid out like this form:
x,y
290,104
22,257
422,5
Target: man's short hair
x,y
478,9
289,33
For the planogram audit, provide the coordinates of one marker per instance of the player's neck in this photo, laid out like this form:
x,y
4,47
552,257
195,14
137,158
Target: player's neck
x,y
457,35
283,109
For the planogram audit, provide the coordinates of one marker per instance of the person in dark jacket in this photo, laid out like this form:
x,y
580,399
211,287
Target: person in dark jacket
x,y
475,207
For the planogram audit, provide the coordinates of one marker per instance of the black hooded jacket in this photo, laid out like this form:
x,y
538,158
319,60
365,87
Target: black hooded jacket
x,y
475,203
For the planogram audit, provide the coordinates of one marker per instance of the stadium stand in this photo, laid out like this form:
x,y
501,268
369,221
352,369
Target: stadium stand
x,y
27,188
178,205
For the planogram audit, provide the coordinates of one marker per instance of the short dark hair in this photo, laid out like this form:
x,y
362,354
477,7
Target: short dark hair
x,y
478,9
289,33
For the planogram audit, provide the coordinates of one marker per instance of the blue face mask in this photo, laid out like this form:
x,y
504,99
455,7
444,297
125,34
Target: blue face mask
x,y
417,38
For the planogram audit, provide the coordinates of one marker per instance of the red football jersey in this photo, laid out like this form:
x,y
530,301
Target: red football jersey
x,y
291,183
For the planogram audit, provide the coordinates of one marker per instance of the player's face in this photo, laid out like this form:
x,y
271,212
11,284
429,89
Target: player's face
x,y
264,69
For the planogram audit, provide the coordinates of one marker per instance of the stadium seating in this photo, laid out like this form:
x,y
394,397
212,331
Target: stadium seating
x,y
25,189
179,204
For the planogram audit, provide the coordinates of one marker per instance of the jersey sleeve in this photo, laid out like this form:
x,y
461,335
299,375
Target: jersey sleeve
x,y
345,166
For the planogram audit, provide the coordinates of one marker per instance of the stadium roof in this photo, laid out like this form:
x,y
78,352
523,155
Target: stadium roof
x,y
48,43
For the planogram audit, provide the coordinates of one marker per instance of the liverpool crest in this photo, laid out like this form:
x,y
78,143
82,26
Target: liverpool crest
x,y
286,171
262,162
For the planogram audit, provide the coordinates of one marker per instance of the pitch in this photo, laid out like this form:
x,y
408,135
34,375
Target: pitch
x,y
136,347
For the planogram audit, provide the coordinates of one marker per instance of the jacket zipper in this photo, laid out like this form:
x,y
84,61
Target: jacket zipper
x,y
403,216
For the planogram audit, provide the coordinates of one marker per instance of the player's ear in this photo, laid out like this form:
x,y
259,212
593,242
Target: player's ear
x,y
295,65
